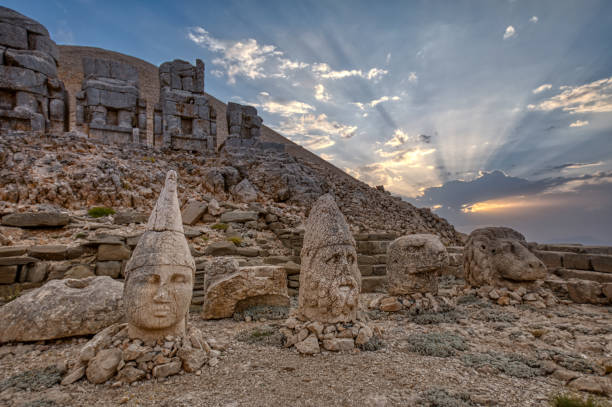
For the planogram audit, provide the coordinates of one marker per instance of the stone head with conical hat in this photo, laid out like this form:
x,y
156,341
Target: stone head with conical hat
x,y
160,273
330,280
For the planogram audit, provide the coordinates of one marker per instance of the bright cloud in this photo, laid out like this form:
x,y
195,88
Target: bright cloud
x,y
286,109
375,102
594,97
413,77
533,19
320,93
510,32
327,157
324,71
579,123
542,88
399,138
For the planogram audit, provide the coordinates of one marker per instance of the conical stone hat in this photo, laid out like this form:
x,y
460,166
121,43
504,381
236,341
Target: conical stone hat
x,y
164,241
326,226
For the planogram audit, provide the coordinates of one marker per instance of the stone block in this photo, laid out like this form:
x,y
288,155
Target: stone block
x,y
16,78
552,260
36,219
48,252
577,261
220,249
113,252
372,247
239,216
95,67
56,109
8,274
373,284
13,36
9,251
193,211
34,60
37,272
44,44
584,275
16,261
108,268
601,262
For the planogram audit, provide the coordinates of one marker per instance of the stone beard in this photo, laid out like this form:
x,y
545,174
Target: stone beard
x,y
330,283
157,300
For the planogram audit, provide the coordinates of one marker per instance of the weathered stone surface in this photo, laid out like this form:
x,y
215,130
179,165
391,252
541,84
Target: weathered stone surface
x,y
339,344
108,268
373,284
390,304
160,274
414,263
36,219
167,369
601,263
499,256
103,366
193,211
552,260
18,260
10,251
330,281
244,191
37,272
247,287
63,308
8,274
49,252
130,374
192,359
239,216
584,275
577,261
222,248
79,271
113,252
127,217
586,292
308,346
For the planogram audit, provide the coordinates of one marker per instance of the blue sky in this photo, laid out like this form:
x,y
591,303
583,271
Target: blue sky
x,y
490,112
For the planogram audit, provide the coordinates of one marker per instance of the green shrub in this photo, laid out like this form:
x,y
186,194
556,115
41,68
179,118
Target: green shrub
x,y
567,400
509,363
149,159
235,240
100,211
220,226
441,344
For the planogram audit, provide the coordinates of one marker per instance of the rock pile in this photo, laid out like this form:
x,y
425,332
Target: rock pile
x,y
109,107
32,98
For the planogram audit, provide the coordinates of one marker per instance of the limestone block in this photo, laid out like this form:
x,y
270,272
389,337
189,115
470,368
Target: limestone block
x,y
414,263
13,36
111,269
44,44
95,67
9,251
103,366
120,70
585,291
8,274
27,101
34,60
372,247
577,261
36,219
373,284
15,78
57,109
198,85
552,260
245,191
249,286
601,263
124,118
239,216
193,211
63,308
113,252
49,252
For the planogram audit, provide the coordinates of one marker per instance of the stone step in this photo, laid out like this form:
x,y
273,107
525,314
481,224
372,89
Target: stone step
x,y
584,275
373,284
575,248
373,270
16,261
11,251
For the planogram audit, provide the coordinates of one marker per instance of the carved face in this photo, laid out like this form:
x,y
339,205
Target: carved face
x,y
332,284
158,297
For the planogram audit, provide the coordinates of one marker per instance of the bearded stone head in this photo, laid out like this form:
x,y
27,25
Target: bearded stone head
x,y
330,281
499,256
160,273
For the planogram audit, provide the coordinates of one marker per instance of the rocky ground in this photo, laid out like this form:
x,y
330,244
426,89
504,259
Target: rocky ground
x,y
470,354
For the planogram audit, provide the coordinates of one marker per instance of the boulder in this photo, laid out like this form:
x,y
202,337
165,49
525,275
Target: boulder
x,y
36,219
113,252
127,217
108,268
222,248
103,366
244,191
308,346
239,216
63,308
193,211
247,287
586,291
49,252
414,263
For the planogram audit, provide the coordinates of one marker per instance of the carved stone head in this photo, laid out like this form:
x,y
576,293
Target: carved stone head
x,y
160,274
499,256
330,280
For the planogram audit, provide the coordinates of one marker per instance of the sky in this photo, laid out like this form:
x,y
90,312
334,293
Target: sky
x,y
489,112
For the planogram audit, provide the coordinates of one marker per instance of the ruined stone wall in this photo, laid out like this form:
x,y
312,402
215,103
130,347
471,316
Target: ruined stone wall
x,y
32,98
109,107
184,118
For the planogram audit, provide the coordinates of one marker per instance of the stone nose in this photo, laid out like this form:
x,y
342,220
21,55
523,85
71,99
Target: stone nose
x,y
161,295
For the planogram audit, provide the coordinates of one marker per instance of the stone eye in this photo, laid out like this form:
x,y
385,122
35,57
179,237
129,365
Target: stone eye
x,y
178,278
483,247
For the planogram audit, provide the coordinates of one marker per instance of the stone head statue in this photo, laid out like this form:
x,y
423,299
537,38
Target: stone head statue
x,y
330,280
160,273
499,256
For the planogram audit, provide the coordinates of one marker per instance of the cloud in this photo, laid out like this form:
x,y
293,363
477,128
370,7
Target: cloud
x,y
579,123
533,19
283,108
542,88
327,157
388,59
320,93
594,97
312,125
323,70
413,77
373,103
510,32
